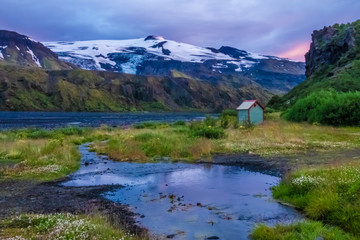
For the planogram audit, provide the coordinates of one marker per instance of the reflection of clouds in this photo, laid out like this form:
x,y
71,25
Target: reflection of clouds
x,y
109,179
188,175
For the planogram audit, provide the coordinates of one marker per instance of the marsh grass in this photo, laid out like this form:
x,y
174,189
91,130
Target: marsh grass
x,y
43,155
39,154
278,137
329,194
195,140
60,226
149,144
309,230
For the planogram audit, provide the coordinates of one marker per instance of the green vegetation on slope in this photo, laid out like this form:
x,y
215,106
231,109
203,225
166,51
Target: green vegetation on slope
x,y
333,64
327,107
34,89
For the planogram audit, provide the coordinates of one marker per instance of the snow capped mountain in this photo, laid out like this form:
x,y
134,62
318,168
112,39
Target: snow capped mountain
x,y
157,56
127,55
21,50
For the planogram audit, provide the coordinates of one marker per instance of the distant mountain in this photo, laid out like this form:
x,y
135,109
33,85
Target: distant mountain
x,y
157,56
34,89
333,62
21,50
169,76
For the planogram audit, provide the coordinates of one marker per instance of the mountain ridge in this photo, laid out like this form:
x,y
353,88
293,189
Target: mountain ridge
x,y
21,50
154,55
29,83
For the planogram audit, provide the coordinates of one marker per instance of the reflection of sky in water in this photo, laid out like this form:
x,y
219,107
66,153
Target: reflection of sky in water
x,y
189,200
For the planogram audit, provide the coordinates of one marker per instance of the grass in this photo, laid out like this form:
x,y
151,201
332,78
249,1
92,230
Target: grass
x,y
306,230
44,155
60,226
329,194
38,154
327,191
275,137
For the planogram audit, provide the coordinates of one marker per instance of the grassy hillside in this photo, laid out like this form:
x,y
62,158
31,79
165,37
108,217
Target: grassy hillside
x,y
332,63
35,89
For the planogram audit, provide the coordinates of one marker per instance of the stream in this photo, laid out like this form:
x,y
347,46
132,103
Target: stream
x,y
187,201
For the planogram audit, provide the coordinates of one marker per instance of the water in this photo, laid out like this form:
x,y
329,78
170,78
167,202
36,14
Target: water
x,y
86,119
191,201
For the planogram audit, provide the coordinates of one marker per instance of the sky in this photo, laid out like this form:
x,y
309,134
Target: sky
x,y
274,27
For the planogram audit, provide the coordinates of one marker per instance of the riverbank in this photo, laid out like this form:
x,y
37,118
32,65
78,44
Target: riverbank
x,y
276,146
27,198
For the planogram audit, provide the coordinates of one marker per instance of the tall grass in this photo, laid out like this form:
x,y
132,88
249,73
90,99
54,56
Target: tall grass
x,y
330,194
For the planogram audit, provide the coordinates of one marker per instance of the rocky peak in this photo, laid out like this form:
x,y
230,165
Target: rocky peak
x,y
21,50
154,37
329,45
233,52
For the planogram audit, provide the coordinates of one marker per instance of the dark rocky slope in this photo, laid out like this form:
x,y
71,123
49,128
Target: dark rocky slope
x,y
333,62
32,78
161,57
23,51
36,89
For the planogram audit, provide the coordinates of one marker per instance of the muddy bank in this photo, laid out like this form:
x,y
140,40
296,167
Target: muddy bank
x,y
276,166
18,197
281,165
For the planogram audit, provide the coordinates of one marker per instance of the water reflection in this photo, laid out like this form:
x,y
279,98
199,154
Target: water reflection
x,y
188,201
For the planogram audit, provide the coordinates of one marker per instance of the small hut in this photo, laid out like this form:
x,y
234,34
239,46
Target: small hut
x,y
251,111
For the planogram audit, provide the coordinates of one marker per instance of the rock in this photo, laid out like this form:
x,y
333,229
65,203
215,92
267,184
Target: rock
x,y
213,237
328,46
171,236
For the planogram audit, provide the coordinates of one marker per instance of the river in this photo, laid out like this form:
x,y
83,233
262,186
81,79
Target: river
x,y
9,120
187,201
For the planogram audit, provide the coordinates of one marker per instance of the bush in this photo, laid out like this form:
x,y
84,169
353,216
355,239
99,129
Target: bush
x,y
150,125
179,123
229,112
210,121
198,129
327,107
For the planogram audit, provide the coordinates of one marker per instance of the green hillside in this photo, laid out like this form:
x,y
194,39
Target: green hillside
x,y
332,63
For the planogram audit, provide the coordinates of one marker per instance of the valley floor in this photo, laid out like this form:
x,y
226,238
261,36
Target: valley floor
x,y
319,165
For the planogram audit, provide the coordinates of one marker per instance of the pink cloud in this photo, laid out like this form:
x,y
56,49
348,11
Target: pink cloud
x,y
297,52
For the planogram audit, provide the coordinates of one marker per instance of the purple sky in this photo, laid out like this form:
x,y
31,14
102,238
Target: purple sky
x,y
276,27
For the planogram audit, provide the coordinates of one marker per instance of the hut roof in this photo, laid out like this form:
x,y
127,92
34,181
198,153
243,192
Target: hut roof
x,y
247,104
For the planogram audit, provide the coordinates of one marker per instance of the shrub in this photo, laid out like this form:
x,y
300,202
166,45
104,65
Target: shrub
x,y
210,121
179,123
150,125
229,112
207,131
327,107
